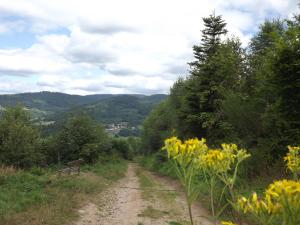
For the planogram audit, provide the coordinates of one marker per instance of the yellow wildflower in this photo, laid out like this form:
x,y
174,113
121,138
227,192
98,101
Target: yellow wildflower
x,y
293,159
193,156
285,192
242,204
228,223
282,198
216,160
185,152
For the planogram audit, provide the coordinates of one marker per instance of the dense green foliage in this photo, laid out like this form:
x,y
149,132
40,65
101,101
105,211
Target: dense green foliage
x,y
81,137
30,184
22,146
19,139
157,127
250,96
121,146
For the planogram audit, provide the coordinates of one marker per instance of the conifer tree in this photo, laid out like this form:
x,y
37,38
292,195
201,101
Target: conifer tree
x,y
214,28
208,77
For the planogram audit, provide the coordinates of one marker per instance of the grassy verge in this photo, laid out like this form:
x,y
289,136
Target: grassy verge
x,y
151,188
146,183
158,164
39,196
160,203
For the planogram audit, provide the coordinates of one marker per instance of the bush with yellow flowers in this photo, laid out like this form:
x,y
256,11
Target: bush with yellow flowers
x,y
193,156
281,201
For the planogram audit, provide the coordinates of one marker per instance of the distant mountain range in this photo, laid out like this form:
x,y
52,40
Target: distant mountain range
x,y
104,108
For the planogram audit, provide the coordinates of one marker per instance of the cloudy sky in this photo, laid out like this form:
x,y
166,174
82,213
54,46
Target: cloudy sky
x,y
113,46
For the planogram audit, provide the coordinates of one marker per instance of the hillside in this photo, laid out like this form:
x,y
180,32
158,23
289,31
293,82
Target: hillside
x,y
120,108
105,108
48,101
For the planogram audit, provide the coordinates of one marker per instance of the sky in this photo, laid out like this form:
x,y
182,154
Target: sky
x,y
113,46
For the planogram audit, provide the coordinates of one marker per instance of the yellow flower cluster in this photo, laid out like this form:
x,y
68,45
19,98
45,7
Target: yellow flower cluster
x,y
255,205
286,192
280,196
185,152
193,156
293,159
221,160
228,223
215,160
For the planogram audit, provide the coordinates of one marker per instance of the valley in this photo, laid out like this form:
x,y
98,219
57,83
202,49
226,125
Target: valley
x,y
221,148
119,114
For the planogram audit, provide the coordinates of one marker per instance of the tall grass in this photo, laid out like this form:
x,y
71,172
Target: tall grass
x,y
39,196
7,170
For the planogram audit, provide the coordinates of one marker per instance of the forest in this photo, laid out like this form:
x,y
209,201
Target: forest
x,y
249,96
244,99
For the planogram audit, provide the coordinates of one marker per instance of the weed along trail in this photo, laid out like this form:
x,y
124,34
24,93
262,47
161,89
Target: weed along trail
x,y
140,198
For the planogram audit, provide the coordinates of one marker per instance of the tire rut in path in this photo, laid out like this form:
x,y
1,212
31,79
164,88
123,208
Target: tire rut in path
x,y
126,206
115,205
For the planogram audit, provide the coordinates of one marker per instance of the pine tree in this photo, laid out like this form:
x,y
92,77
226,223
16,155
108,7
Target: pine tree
x,y
217,67
214,28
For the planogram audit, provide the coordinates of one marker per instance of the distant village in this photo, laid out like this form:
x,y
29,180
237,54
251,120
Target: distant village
x,y
115,128
112,128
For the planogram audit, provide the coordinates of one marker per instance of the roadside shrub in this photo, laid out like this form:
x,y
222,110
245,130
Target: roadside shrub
x,y
81,137
19,139
90,153
121,146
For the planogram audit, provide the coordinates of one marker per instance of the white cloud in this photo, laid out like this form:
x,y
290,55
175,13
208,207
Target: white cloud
x,y
116,46
11,26
109,84
34,60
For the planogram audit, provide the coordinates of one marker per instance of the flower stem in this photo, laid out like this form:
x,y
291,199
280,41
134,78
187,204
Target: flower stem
x,y
190,210
212,199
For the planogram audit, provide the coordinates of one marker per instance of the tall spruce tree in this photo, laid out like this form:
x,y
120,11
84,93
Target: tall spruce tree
x,y
204,87
214,28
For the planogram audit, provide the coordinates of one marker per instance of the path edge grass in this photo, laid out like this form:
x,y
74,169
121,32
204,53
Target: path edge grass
x,y
39,196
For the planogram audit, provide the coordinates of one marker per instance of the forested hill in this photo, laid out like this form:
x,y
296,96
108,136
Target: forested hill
x,y
120,108
105,108
48,101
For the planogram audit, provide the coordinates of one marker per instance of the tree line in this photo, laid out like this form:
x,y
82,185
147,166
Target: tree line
x,y
245,95
23,146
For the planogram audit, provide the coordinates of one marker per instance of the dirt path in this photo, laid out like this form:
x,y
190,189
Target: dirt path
x,y
140,198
